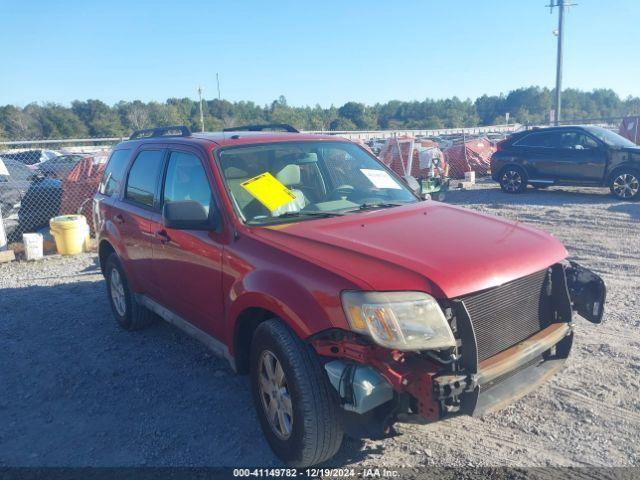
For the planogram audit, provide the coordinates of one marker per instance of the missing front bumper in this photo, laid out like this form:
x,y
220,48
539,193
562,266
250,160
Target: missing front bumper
x,y
510,375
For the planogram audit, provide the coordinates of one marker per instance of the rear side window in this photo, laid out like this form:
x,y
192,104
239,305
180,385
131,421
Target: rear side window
x,y
143,177
114,172
539,139
187,180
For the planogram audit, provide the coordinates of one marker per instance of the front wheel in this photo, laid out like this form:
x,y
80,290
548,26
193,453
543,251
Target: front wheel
x,y
513,180
625,184
297,408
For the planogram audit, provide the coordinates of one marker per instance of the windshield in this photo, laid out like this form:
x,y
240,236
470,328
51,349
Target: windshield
x,y
610,138
273,183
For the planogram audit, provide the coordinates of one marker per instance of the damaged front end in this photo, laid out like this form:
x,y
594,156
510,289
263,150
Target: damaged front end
x,y
509,340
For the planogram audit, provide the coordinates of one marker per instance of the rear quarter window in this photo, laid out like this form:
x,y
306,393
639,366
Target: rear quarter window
x,y
113,174
142,184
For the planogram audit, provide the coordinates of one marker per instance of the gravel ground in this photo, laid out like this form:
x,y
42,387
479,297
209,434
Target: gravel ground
x,y
78,391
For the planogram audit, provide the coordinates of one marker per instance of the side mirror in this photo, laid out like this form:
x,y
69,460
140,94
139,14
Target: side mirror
x,y
187,215
413,184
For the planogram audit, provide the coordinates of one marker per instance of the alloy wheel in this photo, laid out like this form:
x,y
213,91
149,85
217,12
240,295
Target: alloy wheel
x,y
274,393
512,180
626,185
117,292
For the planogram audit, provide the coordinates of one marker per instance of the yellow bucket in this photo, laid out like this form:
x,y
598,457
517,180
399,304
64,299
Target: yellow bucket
x,y
71,233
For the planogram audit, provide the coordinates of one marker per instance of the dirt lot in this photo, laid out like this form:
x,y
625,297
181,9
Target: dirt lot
x,y
78,391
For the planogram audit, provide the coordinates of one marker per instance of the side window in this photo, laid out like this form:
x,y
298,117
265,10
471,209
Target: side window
x,y
577,141
114,172
143,177
588,142
187,180
538,139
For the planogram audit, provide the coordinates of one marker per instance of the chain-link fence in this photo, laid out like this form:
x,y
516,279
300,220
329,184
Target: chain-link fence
x,y
39,181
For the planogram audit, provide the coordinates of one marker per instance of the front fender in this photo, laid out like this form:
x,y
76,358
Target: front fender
x,y
306,307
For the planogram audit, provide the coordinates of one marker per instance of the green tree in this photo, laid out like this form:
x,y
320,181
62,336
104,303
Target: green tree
x,y
94,118
100,119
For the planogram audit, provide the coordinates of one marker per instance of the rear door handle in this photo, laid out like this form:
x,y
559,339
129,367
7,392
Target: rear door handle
x,y
163,236
119,219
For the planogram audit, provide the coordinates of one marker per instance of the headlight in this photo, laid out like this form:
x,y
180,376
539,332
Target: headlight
x,y
399,320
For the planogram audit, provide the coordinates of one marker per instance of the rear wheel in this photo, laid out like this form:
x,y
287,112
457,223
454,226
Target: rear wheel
x,y
297,408
129,314
625,184
513,180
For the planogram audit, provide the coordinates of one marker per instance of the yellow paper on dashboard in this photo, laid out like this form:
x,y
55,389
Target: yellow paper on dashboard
x,y
268,190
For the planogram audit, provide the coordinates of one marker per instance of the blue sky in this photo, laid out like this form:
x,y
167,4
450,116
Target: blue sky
x,y
326,52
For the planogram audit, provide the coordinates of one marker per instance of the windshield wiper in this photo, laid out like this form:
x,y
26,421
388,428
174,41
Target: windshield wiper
x,y
373,206
300,214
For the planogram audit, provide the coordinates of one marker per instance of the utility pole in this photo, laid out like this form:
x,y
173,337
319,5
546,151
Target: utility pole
x,y
201,113
218,82
561,4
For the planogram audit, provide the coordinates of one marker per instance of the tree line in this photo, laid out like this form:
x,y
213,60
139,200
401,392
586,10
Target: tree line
x,y
94,118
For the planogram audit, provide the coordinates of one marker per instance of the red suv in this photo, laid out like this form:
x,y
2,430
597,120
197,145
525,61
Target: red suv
x,y
314,268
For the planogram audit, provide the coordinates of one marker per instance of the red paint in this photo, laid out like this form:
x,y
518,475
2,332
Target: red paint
x,y
405,373
297,271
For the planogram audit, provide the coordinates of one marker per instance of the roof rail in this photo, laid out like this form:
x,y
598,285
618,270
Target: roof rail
x,y
285,127
173,131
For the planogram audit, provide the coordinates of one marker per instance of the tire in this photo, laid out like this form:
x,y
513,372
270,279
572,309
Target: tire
x,y
513,179
129,314
306,400
625,184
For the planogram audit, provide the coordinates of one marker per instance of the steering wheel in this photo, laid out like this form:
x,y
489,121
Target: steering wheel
x,y
341,191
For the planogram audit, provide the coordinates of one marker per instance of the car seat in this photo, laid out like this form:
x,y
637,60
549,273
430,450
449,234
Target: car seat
x,y
289,176
235,176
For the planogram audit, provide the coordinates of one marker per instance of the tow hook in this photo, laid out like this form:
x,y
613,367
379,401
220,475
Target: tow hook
x,y
448,386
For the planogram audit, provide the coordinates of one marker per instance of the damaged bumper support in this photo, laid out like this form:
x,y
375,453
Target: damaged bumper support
x,y
367,376
509,375
500,380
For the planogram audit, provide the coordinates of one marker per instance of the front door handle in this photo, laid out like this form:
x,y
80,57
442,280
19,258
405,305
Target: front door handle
x,y
163,236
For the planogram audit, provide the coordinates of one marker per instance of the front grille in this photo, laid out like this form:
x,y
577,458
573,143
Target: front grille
x,y
505,315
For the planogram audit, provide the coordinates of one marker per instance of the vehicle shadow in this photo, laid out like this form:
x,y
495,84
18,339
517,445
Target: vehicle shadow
x,y
84,392
632,209
543,197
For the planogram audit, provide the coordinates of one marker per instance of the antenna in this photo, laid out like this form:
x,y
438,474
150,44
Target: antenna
x,y
201,114
561,4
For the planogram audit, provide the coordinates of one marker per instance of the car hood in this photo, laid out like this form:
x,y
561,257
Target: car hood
x,y
430,246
